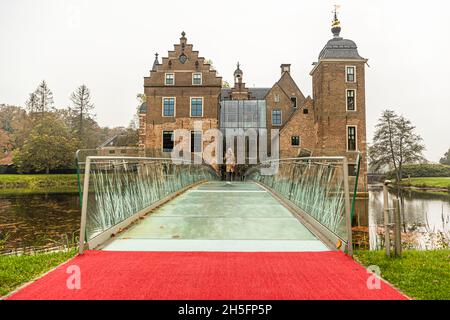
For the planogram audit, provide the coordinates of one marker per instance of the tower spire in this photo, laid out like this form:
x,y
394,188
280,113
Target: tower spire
x,y
336,24
156,62
238,74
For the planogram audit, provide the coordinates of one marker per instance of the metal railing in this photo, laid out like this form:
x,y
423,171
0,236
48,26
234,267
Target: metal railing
x,y
116,191
317,190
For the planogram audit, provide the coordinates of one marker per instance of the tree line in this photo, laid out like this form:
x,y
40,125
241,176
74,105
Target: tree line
x,y
42,138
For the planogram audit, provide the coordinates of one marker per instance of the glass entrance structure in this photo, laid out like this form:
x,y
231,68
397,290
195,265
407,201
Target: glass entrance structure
x,y
242,114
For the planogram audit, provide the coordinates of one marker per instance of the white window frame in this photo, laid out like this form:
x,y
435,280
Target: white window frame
x,y
201,145
165,79
356,137
174,107
162,138
281,117
346,100
201,78
276,97
354,74
190,107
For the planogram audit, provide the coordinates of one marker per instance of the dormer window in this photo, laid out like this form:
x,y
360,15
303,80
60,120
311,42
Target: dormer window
x,y
196,78
169,79
350,74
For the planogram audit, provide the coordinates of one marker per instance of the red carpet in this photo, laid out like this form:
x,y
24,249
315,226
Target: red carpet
x,y
210,275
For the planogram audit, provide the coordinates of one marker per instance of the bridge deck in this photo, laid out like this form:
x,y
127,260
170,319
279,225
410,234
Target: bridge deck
x,y
213,217
219,216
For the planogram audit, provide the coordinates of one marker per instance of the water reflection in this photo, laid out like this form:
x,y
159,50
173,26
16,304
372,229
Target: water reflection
x,y
47,220
38,220
425,220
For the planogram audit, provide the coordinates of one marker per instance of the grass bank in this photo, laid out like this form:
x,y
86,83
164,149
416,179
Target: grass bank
x,y
419,274
38,183
428,183
18,270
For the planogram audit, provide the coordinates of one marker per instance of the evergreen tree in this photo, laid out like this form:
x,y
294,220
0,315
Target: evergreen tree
x,y
81,110
44,98
32,103
41,100
446,158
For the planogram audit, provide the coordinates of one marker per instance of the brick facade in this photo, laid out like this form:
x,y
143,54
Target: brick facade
x,y
317,125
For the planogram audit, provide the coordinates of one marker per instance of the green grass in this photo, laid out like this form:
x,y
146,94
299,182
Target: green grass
x,y
38,183
439,182
418,274
18,270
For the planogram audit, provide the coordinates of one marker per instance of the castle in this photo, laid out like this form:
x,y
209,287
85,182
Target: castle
x,y
184,88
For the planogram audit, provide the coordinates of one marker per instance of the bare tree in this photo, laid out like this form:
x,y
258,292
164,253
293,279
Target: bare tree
x,y
395,143
82,107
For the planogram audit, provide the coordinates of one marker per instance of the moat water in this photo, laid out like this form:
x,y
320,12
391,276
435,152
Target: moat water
x,y
36,221
425,219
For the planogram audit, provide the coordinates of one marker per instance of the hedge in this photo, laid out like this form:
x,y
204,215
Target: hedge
x,y
423,170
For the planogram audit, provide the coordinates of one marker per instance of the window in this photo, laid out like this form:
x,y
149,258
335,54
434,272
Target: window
x,y
196,107
196,141
295,141
352,170
168,107
276,117
351,100
169,79
276,97
196,78
305,111
351,138
167,141
350,74
294,102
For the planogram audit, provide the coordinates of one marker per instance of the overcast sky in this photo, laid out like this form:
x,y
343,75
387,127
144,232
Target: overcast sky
x,y
109,46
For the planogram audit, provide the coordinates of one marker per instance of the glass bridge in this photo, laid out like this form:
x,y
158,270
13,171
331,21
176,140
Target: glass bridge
x,y
139,203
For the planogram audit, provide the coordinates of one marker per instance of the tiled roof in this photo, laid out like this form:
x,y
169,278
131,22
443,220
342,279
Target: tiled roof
x,y
258,93
255,93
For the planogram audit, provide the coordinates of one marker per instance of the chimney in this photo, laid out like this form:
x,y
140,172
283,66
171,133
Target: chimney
x,y
285,68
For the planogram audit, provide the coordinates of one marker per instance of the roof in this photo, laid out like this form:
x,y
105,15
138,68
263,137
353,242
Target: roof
x,y
258,93
255,93
340,48
7,160
143,108
109,142
225,92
